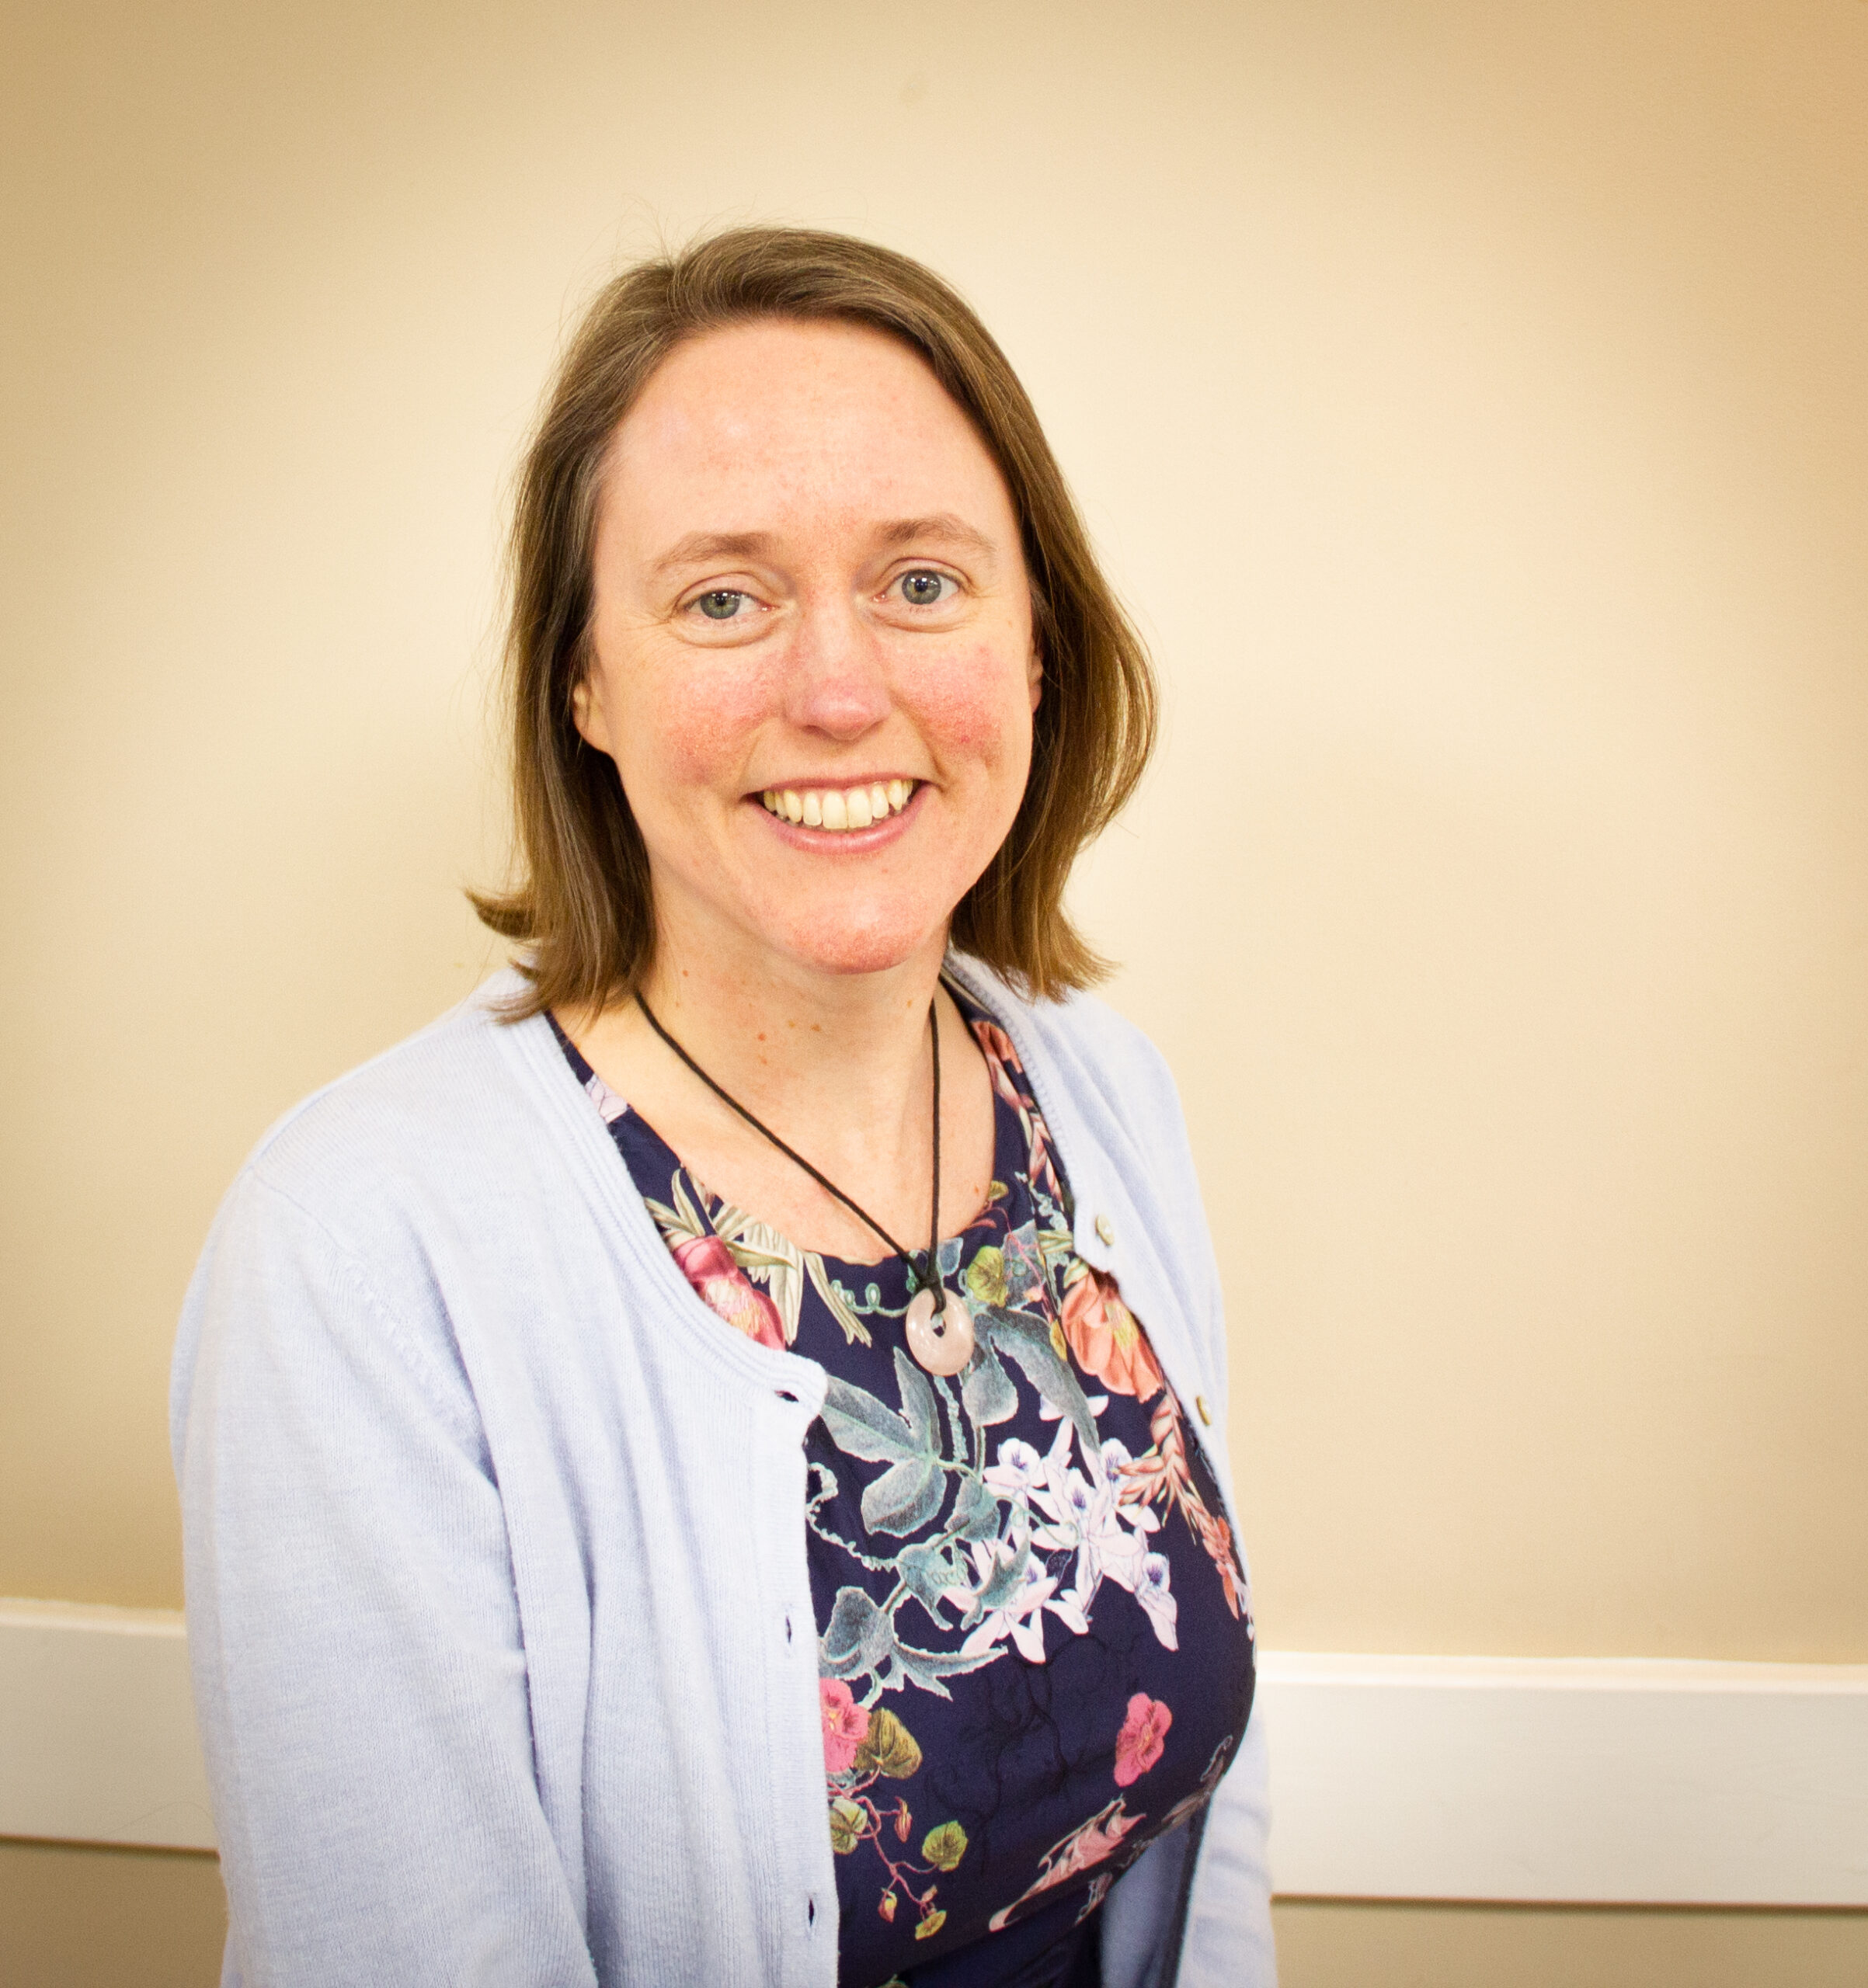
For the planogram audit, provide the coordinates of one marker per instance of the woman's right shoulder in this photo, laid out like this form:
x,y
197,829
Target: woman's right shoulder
x,y
442,1105
352,1225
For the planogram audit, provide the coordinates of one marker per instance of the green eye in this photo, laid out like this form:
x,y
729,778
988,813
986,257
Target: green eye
x,y
721,605
922,589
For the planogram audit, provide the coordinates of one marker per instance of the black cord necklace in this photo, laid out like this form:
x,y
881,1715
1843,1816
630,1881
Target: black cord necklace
x,y
940,1333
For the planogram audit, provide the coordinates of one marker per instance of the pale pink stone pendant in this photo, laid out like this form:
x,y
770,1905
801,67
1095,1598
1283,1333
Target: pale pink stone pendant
x,y
940,1333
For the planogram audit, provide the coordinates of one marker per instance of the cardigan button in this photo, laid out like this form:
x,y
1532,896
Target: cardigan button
x,y
1106,1229
1200,1403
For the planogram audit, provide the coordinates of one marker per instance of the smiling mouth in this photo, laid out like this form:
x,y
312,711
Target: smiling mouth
x,y
840,809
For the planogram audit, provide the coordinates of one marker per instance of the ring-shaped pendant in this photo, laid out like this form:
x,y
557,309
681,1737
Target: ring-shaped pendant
x,y
940,1333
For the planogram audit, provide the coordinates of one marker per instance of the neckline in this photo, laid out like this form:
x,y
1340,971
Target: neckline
x,y
1008,1144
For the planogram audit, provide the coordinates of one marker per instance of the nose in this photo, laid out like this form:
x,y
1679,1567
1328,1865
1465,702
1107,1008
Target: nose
x,y
839,684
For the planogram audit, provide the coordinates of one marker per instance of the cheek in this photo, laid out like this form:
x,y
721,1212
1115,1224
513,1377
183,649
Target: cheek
x,y
980,706
688,726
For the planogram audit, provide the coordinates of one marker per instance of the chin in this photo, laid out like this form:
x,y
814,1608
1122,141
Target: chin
x,y
854,946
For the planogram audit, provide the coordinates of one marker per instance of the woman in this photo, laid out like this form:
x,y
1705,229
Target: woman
x,y
703,1466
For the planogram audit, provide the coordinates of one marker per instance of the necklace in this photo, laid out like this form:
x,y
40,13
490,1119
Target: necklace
x,y
940,1333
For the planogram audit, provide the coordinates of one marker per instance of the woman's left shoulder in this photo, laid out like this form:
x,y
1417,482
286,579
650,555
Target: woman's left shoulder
x,y
1089,1047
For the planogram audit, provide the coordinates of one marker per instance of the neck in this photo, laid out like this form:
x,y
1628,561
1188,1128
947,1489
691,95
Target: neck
x,y
848,1051
837,1064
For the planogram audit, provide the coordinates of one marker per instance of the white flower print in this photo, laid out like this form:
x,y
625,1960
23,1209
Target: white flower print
x,y
1048,1412
1085,1518
1161,1608
1020,1466
1021,1618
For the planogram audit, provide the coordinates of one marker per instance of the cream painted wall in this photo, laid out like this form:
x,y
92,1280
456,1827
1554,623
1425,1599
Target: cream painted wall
x,y
78,1916
1470,400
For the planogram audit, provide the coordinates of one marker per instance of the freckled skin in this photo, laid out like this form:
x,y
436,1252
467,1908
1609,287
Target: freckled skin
x,y
813,436
797,475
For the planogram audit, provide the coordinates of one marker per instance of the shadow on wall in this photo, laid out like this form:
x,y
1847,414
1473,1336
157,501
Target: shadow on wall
x,y
79,1915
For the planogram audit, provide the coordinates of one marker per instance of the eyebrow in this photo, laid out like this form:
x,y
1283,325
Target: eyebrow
x,y
941,526
699,546
944,525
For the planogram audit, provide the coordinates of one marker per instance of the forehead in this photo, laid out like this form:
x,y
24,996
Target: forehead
x,y
745,428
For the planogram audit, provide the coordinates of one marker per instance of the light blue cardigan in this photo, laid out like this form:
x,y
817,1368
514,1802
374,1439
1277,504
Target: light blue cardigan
x,y
502,1632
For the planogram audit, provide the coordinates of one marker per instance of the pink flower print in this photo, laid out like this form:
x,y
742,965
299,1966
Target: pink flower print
x,y
1142,1739
722,1285
1107,1338
1001,1061
846,1724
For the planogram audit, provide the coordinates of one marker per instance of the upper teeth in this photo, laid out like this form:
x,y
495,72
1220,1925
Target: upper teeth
x,y
837,807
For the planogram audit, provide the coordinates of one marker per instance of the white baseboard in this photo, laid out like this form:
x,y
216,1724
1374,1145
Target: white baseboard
x,y
97,1729
1554,1780
1543,1780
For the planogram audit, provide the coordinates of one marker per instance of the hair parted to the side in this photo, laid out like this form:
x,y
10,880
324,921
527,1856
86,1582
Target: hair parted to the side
x,y
582,903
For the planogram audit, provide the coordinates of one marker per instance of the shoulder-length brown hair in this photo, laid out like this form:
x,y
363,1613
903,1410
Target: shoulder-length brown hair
x,y
583,906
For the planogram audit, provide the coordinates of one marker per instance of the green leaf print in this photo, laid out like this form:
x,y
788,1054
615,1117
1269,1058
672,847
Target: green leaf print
x,y
918,1405
944,1847
1026,1339
859,1426
905,1497
889,1748
925,1668
987,1389
1006,1575
975,1513
985,1277
847,1823
858,1636
929,1570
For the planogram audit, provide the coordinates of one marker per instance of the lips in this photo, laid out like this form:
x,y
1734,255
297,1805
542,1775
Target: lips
x,y
840,809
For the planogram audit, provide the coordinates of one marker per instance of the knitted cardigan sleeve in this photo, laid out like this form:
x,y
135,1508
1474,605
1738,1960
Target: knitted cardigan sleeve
x,y
359,1674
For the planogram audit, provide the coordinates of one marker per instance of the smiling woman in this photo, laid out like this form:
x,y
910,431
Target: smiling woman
x,y
872,624
800,327
613,1555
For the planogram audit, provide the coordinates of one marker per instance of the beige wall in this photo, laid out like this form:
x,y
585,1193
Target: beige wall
x,y
1470,400
73,1917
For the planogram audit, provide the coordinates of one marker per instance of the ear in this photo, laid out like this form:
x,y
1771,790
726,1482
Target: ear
x,y
587,712
1035,671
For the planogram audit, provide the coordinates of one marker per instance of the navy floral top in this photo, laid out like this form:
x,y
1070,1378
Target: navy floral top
x,y
1034,1640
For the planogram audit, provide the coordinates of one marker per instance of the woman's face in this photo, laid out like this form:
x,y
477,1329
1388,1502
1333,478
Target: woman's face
x,y
813,659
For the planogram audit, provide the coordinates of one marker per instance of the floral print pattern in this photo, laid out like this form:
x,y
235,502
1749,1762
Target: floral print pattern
x,y
711,1266
862,1748
1143,1736
1030,1611
1103,1338
846,1726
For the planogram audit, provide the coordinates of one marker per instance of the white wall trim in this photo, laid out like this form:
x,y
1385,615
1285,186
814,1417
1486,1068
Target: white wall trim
x,y
1569,1780
97,1728
1536,1779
